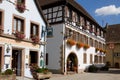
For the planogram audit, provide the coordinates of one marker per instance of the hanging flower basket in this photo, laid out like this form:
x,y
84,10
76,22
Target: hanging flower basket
x,y
19,35
20,7
97,49
101,50
86,46
70,42
79,45
35,39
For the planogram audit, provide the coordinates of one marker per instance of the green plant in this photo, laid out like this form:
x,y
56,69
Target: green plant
x,y
42,70
92,68
104,68
8,72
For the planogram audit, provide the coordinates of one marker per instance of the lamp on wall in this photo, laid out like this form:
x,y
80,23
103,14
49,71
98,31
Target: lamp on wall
x,y
8,49
41,55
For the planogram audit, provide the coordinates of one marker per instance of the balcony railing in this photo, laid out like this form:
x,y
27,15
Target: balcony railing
x,y
81,29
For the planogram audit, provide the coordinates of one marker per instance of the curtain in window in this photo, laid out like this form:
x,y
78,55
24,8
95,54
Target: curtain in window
x,y
34,30
15,25
19,25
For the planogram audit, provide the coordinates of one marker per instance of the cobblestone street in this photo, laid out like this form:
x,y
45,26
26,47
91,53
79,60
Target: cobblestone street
x,y
113,74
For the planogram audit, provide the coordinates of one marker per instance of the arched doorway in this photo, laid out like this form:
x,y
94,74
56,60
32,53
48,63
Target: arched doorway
x,y
72,62
117,65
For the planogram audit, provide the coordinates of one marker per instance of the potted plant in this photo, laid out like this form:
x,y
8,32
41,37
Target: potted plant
x,y
70,42
79,45
20,7
7,75
35,39
97,49
19,35
86,46
39,73
43,73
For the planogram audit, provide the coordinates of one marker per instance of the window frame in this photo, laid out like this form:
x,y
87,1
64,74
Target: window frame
x,y
23,24
2,21
38,29
84,58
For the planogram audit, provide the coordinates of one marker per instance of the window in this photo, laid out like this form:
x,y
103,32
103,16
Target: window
x,y
18,24
91,56
0,18
91,41
84,58
96,59
34,30
46,58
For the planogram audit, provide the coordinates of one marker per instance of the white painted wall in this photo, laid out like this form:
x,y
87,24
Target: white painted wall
x,y
31,14
53,47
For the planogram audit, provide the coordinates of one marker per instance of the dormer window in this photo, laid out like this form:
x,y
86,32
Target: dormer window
x,y
20,5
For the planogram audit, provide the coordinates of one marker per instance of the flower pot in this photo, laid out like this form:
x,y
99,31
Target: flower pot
x,y
44,75
8,77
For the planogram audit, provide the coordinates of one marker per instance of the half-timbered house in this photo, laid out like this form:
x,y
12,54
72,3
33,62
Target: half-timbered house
x,y
77,40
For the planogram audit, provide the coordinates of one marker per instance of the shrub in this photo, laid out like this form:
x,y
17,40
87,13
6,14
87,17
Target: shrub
x,y
104,68
92,68
42,70
8,72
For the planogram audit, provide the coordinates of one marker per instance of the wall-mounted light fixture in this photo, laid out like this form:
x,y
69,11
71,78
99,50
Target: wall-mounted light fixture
x,y
41,55
8,49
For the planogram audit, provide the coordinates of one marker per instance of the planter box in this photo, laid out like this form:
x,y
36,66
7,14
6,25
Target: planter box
x,y
43,75
8,77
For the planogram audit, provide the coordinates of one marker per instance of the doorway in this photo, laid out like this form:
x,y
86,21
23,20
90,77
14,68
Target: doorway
x,y
33,57
72,62
17,61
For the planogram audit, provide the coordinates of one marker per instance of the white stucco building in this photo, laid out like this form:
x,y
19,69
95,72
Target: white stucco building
x,y
77,40
22,35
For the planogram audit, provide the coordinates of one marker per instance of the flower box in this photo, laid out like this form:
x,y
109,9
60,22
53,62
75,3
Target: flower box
x,y
79,45
35,39
8,77
20,7
86,46
19,35
71,42
44,75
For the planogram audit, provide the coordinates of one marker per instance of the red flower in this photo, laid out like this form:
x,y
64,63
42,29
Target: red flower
x,y
35,39
70,42
79,45
86,46
19,35
21,7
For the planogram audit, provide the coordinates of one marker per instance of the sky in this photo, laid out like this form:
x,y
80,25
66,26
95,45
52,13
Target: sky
x,y
103,11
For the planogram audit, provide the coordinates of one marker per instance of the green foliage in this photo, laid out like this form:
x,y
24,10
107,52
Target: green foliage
x,y
42,70
8,72
92,68
104,68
